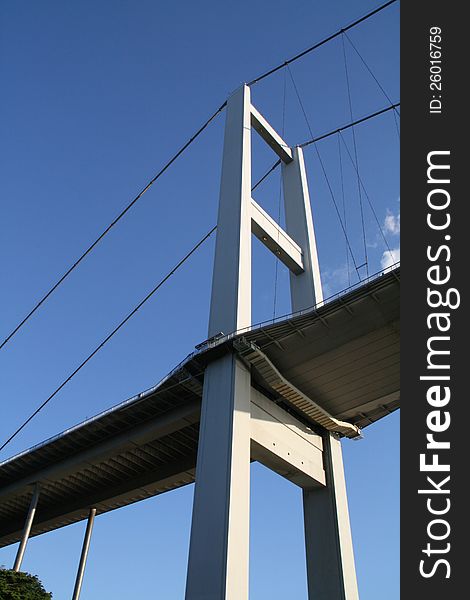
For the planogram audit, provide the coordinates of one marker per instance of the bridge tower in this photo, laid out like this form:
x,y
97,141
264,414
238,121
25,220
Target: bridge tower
x,y
230,431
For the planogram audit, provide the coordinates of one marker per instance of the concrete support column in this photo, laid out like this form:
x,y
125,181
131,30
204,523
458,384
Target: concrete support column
x,y
84,554
231,280
219,546
27,528
331,571
306,288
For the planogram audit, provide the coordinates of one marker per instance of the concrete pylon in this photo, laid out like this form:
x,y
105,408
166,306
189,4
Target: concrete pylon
x,y
331,572
218,567
219,546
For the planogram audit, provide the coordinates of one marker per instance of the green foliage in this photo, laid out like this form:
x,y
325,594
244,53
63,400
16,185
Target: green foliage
x,y
21,586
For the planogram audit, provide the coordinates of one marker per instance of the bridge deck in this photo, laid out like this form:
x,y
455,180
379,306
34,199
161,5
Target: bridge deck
x,y
343,355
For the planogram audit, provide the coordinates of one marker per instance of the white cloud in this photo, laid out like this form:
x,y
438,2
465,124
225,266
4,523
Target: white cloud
x,y
390,258
392,223
335,280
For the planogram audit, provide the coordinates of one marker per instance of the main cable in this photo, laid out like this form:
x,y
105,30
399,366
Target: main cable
x,y
175,157
108,337
113,223
327,135
321,43
313,140
371,73
348,125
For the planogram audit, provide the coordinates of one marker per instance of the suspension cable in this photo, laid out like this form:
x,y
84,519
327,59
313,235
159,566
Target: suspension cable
x,y
366,260
395,112
367,196
174,158
276,267
112,224
321,43
344,127
201,242
108,337
268,172
344,205
324,136
325,174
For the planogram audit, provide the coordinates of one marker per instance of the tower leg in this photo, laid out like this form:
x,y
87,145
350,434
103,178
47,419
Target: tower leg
x,y
231,281
306,289
219,546
331,573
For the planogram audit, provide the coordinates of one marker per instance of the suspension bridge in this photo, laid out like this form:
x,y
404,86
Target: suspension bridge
x,y
282,392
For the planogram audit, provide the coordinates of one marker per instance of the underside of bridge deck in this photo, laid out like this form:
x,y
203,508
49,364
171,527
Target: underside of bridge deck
x,y
336,363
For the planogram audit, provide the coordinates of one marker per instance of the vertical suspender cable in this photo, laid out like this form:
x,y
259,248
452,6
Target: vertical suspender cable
x,y
344,206
366,261
280,193
367,196
313,141
395,110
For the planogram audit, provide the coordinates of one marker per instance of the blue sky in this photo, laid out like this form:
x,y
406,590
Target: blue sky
x,y
96,97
